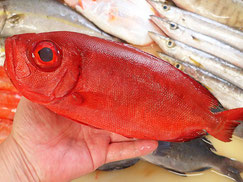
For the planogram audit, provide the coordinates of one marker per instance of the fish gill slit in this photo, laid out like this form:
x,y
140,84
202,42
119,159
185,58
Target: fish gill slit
x,y
62,78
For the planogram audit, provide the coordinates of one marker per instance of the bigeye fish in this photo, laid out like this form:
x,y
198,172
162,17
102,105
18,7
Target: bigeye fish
x,y
115,87
200,41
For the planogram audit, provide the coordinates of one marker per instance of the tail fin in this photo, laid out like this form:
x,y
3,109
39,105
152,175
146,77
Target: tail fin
x,y
229,120
231,168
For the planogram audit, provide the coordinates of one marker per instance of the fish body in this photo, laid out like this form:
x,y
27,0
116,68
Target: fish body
x,y
201,59
115,87
192,156
200,24
181,158
229,95
229,12
128,20
200,41
34,16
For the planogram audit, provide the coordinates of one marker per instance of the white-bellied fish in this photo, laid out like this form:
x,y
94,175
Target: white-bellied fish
x,y
200,59
200,24
128,20
36,16
200,41
229,12
229,95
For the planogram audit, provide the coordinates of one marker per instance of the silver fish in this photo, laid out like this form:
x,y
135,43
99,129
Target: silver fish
x,y
37,16
192,156
181,158
200,41
200,59
229,12
229,95
200,24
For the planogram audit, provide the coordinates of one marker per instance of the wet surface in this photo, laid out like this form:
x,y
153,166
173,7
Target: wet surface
x,y
145,172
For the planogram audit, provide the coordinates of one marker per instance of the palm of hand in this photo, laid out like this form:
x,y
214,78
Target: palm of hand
x,y
60,149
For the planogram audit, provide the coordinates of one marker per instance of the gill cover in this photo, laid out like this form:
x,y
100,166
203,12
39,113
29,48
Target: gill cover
x,y
43,67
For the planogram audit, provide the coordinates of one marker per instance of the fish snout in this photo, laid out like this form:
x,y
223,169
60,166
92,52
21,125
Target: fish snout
x,y
14,62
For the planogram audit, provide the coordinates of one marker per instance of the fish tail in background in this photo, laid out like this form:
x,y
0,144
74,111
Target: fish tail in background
x,y
229,120
231,168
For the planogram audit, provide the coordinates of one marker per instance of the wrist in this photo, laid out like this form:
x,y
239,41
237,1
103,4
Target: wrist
x,y
14,165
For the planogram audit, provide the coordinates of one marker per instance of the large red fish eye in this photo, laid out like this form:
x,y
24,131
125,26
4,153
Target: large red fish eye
x,y
46,56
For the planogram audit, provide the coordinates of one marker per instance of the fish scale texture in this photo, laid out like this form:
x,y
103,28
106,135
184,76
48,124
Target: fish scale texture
x,y
113,86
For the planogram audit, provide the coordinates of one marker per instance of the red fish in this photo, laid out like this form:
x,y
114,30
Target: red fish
x,y
9,99
115,87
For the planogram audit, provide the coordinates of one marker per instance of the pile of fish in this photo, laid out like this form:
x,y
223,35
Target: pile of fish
x,y
206,55
228,12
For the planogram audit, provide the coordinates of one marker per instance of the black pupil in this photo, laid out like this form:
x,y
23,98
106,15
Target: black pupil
x,y
177,66
169,43
165,7
46,54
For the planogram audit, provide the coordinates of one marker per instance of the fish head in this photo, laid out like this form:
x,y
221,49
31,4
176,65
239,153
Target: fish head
x,y
165,43
176,63
160,7
168,27
43,67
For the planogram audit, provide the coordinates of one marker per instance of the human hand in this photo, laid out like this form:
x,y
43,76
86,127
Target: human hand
x,y
44,146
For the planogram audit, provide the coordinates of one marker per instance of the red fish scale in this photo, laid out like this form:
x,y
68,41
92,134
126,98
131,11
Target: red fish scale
x,y
115,87
9,99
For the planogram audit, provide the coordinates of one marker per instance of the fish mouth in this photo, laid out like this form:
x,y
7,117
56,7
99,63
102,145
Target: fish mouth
x,y
8,63
13,63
